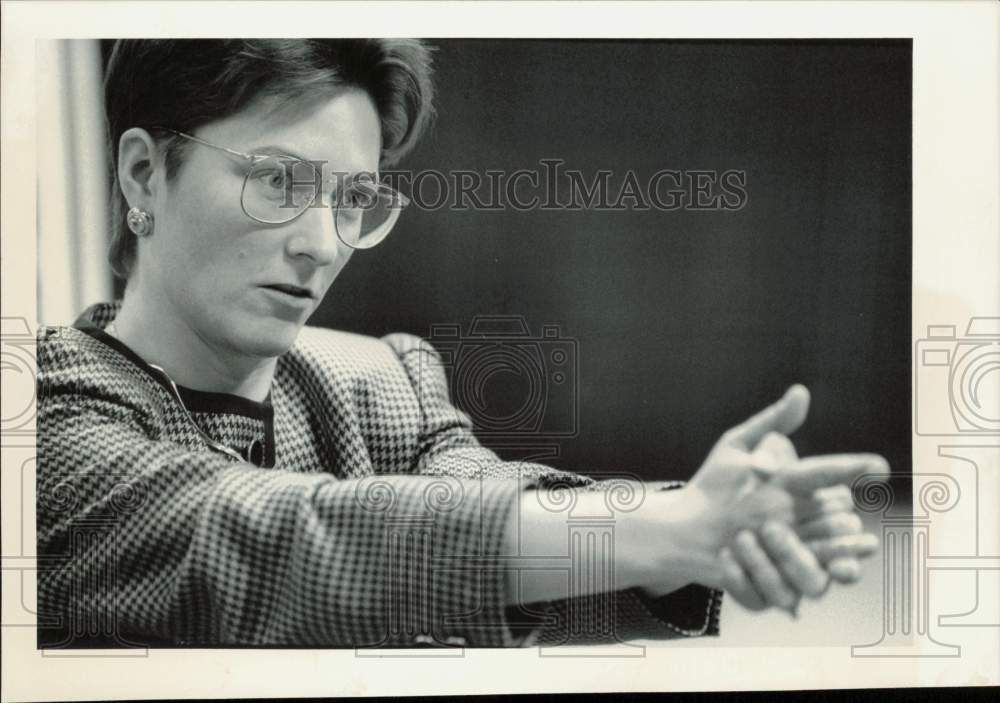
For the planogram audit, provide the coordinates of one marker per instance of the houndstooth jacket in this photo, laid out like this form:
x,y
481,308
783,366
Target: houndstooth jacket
x,y
363,512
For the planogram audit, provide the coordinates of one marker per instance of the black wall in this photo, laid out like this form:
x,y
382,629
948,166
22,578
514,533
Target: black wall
x,y
685,321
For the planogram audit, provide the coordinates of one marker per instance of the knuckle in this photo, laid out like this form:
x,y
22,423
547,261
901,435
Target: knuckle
x,y
769,579
731,570
778,444
816,584
784,597
751,602
830,507
852,521
729,436
868,542
821,548
845,569
733,576
845,503
877,463
837,524
746,543
835,492
773,535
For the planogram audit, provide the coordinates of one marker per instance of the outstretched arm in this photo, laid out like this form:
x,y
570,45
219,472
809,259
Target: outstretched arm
x,y
659,548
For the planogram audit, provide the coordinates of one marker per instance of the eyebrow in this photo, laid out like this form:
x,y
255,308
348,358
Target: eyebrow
x,y
279,150
276,150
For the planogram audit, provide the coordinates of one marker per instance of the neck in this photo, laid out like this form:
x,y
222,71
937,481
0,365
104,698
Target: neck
x,y
164,338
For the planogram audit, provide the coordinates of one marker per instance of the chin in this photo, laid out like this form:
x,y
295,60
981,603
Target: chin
x,y
268,340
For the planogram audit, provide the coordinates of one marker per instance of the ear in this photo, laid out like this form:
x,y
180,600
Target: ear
x,y
137,165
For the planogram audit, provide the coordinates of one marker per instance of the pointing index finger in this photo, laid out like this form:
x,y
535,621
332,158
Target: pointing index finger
x,y
815,472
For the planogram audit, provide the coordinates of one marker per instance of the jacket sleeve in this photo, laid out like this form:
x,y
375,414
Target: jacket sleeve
x,y
448,447
147,541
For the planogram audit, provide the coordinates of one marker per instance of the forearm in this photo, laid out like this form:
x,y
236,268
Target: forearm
x,y
656,547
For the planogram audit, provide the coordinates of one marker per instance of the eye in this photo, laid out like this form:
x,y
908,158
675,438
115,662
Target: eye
x,y
273,178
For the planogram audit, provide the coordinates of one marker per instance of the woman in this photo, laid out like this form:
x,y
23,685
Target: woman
x,y
212,471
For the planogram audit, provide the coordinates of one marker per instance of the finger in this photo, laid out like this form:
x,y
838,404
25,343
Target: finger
x,y
844,570
854,546
839,494
785,417
812,509
777,446
834,492
797,564
837,499
812,473
737,584
773,453
765,578
833,525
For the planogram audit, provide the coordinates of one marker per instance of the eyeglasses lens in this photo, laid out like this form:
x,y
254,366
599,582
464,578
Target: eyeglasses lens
x,y
367,212
278,189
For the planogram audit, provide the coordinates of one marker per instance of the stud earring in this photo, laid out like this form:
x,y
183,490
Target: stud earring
x,y
139,221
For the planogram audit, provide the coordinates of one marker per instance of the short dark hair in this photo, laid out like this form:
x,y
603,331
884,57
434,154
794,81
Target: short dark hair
x,y
185,83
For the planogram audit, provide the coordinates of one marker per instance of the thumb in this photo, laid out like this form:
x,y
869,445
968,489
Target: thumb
x,y
784,417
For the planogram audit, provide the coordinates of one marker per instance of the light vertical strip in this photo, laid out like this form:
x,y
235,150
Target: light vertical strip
x,y
72,204
90,172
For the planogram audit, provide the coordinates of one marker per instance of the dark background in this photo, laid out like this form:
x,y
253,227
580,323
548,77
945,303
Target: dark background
x,y
685,322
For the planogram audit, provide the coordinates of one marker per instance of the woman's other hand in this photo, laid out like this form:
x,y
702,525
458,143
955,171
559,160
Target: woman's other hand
x,y
780,527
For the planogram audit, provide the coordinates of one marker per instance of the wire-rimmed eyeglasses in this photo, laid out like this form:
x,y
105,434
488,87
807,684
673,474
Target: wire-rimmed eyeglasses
x,y
278,188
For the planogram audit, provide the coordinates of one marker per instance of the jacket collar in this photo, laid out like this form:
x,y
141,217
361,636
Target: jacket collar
x,y
96,318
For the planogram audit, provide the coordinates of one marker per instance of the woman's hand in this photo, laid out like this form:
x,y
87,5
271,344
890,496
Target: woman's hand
x,y
827,544
779,562
770,526
755,520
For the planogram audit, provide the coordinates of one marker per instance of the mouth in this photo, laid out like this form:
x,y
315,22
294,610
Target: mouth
x,y
295,291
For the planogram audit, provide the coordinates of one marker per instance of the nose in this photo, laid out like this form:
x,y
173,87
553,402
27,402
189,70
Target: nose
x,y
314,236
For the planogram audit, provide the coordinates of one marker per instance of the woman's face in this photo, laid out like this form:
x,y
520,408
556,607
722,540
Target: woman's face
x,y
214,266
